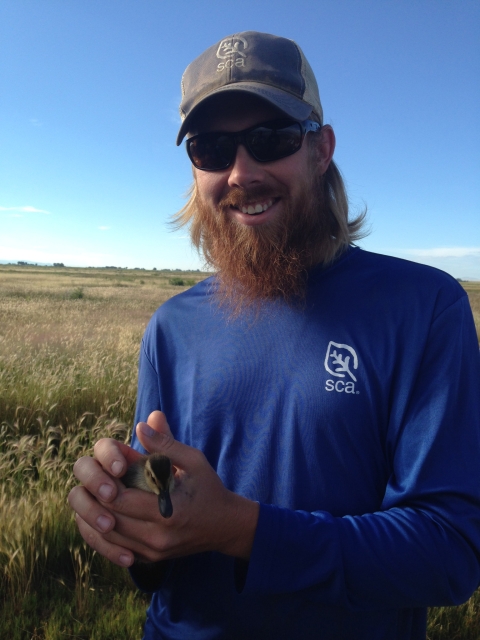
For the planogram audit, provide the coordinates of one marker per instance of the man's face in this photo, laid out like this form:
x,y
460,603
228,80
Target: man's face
x,y
249,192
261,224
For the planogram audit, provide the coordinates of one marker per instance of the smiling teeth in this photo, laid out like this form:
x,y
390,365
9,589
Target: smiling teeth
x,y
257,208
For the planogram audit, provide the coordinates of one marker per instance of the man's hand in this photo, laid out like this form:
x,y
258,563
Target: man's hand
x,y
122,523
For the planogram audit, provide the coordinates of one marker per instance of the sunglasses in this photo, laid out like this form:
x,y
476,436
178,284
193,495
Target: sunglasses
x,y
265,142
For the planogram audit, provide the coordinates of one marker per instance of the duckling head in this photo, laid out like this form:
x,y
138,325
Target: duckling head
x,y
153,473
159,479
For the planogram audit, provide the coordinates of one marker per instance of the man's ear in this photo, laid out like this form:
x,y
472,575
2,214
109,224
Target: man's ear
x,y
325,147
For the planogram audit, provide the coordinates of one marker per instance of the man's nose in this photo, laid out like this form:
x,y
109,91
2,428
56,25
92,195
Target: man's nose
x,y
245,170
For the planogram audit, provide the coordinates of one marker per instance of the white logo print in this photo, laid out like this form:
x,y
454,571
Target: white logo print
x,y
341,364
230,51
340,361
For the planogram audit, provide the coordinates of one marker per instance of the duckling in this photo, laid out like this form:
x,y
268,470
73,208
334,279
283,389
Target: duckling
x,y
153,473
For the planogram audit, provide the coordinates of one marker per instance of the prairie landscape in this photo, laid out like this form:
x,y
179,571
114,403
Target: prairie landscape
x,y
69,343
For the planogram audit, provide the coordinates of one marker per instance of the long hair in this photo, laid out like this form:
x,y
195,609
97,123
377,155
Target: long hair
x,y
342,231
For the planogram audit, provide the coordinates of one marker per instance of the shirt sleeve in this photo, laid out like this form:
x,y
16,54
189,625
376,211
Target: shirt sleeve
x,y
148,394
422,548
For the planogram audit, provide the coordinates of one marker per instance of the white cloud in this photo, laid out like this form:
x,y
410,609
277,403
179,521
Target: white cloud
x,y
36,122
26,209
443,252
460,262
43,254
104,228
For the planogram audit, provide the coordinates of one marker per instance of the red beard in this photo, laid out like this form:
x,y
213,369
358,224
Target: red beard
x,y
268,261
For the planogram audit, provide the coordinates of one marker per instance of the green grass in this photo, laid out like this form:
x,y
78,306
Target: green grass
x,y
473,291
52,585
69,344
182,282
456,623
68,370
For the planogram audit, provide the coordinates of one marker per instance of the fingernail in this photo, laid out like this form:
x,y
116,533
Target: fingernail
x,y
125,560
146,430
103,523
117,468
105,491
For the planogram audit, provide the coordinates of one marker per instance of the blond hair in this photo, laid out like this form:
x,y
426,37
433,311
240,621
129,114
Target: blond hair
x,y
343,232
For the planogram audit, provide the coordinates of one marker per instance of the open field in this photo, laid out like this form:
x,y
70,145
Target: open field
x,y
473,291
69,342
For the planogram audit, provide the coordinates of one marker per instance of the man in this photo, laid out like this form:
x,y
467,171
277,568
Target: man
x,y
322,402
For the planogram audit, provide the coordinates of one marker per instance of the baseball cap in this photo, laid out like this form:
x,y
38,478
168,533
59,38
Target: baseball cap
x,y
270,67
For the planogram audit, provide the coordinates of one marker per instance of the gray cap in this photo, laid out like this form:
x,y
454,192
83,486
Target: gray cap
x,y
270,67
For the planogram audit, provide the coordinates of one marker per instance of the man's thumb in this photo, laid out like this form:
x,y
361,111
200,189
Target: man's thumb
x,y
158,421
148,432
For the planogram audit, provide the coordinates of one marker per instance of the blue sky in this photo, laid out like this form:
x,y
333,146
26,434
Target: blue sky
x,y
89,93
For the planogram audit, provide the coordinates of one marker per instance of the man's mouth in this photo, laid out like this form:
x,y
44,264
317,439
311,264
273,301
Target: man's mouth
x,y
254,208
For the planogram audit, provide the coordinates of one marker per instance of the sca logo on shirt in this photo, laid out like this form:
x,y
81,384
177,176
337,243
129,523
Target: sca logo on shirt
x,y
341,361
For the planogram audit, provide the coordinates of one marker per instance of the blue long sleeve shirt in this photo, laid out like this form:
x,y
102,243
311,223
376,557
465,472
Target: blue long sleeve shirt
x,y
354,420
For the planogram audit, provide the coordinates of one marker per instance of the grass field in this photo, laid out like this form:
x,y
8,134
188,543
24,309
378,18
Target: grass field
x,y
69,342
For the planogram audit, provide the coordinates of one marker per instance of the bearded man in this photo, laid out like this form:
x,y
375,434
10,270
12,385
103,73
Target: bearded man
x,y
323,402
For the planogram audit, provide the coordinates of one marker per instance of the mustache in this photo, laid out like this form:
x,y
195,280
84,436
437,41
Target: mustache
x,y
239,197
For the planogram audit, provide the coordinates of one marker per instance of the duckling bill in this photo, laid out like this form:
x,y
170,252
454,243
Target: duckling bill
x,y
153,473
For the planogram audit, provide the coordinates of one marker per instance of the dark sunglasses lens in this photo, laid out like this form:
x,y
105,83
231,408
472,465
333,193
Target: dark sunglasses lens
x,y
268,143
211,152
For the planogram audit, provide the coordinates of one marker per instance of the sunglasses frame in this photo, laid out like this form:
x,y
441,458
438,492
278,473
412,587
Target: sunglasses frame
x,y
240,137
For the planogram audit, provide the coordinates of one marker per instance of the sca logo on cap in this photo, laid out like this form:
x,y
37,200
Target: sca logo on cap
x,y
231,51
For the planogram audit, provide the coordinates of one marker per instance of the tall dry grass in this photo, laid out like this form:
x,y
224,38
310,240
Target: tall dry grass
x,y
62,355
473,291
69,343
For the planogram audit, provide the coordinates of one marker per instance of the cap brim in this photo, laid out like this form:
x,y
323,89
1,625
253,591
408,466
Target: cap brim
x,y
285,102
